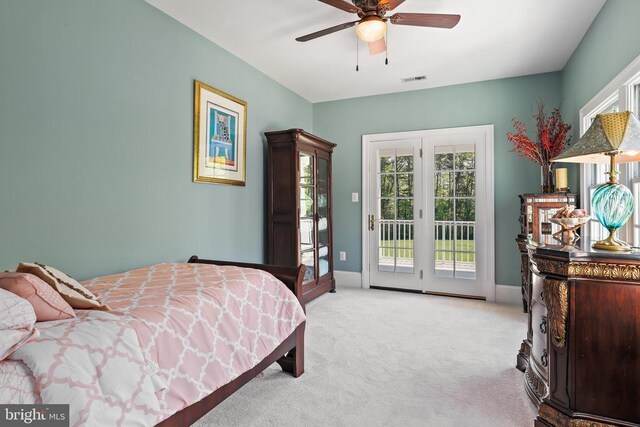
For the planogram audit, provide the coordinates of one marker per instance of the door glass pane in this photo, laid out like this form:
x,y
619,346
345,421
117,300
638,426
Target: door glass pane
x,y
323,202
404,246
444,263
309,261
443,184
388,209
323,211
306,169
387,185
323,172
465,156
465,250
444,209
465,210
323,260
386,259
306,202
396,210
465,184
405,210
323,229
404,163
405,185
323,233
387,161
455,215
306,234
443,159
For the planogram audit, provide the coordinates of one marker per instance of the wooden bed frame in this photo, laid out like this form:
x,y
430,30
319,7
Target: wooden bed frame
x,y
289,355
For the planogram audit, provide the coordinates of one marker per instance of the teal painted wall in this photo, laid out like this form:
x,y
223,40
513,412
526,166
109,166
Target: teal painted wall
x,y
96,101
490,102
611,43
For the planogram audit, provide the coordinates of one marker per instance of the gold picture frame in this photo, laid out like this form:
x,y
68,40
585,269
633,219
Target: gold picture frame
x,y
220,137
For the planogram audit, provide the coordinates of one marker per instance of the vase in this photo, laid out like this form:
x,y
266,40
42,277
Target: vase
x,y
546,172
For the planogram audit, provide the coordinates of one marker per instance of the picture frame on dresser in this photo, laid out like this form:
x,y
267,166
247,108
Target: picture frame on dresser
x,y
219,136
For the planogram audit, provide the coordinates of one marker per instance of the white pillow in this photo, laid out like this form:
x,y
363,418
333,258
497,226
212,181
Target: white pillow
x,y
70,289
16,322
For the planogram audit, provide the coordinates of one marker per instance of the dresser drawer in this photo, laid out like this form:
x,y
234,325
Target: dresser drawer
x,y
536,288
540,329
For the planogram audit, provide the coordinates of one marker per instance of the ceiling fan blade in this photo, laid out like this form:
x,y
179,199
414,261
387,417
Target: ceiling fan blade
x,y
343,5
425,20
376,48
388,5
326,31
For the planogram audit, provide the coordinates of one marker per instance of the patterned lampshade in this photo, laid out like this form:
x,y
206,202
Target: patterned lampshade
x,y
611,133
612,138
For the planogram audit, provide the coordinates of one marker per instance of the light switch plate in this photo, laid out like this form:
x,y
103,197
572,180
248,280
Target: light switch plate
x,y
354,197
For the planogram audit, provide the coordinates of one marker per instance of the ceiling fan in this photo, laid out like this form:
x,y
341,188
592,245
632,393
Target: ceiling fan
x,y
372,25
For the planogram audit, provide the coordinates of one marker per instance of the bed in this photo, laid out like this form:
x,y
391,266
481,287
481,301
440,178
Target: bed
x,y
178,340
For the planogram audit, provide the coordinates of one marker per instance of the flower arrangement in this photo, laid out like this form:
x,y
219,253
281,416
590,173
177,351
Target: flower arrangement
x,y
552,138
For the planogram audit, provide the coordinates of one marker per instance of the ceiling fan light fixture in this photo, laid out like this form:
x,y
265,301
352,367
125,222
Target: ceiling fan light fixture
x,y
371,29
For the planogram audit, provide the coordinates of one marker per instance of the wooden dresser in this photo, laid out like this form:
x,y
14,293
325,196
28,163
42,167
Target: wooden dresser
x,y
299,207
584,328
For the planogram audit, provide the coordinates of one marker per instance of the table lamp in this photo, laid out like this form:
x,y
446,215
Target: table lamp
x,y
612,138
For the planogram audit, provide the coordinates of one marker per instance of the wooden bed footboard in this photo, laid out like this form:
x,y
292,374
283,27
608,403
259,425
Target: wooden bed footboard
x,y
289,354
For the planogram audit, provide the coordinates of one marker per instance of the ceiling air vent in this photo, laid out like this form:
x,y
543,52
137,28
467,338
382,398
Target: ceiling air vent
x,y
413,79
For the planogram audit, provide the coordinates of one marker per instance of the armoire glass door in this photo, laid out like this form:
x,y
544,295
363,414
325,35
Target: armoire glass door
x,y
323,217
307,214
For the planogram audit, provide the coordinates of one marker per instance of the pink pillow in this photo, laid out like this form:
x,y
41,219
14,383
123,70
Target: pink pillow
x,y
46,302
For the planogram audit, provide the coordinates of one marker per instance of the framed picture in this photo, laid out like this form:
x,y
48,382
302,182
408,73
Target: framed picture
x,y
220,137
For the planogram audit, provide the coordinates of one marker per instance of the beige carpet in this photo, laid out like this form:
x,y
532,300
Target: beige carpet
x,y
381,358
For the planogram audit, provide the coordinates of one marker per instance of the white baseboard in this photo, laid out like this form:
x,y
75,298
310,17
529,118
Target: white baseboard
x,y
504,294
508,294
351,279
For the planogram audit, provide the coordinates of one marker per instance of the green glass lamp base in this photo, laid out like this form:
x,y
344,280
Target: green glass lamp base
x,y
612,244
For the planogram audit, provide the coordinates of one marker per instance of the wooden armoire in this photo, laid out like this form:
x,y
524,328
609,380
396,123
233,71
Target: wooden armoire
x,y
299,211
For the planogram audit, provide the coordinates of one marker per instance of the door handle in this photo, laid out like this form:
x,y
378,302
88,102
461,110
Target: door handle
x,y
544,359
372,222
543,325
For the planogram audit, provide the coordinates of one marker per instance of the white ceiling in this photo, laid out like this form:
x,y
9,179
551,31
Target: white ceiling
x,y
494,39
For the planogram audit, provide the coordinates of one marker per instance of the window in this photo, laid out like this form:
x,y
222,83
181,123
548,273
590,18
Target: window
x,y
622,94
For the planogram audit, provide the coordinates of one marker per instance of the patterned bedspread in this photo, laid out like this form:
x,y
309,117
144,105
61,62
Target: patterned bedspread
x,y
198,327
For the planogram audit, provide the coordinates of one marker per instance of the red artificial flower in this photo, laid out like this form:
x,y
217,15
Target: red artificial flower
x,y
553,137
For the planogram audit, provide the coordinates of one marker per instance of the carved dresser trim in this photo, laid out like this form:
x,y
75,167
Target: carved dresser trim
x,y
557,267
536,384
558,419
556,294
604,271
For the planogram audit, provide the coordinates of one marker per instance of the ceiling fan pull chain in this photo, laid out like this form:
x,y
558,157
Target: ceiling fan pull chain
x,y
357,55
386,51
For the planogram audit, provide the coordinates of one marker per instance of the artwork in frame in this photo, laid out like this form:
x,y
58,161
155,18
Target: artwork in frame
x,y
220,137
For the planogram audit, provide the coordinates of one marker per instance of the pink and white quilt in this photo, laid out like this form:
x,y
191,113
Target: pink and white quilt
x,y
196,327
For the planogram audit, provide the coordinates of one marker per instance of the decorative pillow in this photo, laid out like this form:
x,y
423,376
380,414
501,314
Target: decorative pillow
x,y
16,322
73,292
47,303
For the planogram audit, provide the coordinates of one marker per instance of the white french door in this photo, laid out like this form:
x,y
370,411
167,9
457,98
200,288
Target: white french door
x,y
395,202
456,213
429,211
